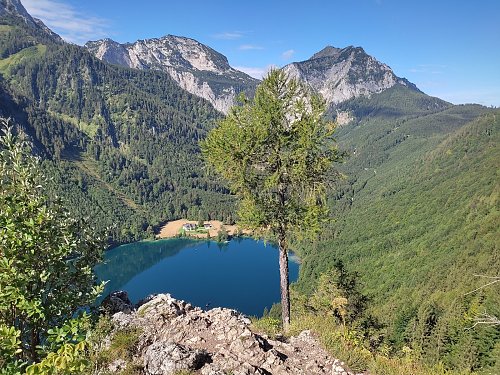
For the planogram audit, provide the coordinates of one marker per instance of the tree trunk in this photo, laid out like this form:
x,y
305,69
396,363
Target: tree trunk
x,y
34,342
284,283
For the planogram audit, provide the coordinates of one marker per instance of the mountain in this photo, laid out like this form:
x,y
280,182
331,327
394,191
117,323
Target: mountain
x,y
196,67
337,74
120,144
14,8
342,74
416,217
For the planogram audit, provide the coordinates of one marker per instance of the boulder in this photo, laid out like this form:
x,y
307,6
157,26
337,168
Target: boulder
x,y
115,302
167,358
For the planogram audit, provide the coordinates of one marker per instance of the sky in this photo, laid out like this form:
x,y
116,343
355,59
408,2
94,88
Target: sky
x,y
449,49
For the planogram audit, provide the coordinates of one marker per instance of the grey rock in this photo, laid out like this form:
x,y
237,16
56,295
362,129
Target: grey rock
x,y
211,369
164,306
177,336
117,365
342,74
145,300
115,302
165,358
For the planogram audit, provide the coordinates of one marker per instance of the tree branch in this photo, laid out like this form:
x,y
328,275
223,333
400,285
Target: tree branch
x,y
485,318
496,279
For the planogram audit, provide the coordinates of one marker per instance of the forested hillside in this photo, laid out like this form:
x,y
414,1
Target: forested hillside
x,y
121,143
417,216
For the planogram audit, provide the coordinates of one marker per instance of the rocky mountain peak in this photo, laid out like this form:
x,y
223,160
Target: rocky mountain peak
x,y
328,51
196,54
340,74
196,67
110,51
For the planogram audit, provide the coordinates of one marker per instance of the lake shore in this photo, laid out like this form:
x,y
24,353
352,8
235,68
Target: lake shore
x,y
174,228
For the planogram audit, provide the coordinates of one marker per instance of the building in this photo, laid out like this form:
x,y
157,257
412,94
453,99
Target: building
x,y
189,227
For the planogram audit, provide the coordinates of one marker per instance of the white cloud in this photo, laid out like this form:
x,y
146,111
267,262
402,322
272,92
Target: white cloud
x,y
232,35
247,47
287,55
72,25
255,72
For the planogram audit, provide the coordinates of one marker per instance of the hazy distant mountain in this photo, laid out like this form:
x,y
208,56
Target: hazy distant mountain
x,y
342,74
196,67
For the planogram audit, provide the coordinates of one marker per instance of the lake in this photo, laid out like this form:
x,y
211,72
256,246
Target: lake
x,y
242,274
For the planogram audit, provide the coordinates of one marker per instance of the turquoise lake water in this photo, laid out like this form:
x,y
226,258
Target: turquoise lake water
x,y
242,274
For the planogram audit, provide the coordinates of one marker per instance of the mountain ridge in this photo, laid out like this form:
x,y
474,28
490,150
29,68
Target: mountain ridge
x,y
195,67
416,211
15,8
338,74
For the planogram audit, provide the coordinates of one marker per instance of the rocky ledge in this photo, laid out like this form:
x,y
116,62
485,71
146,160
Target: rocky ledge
x,y
176,336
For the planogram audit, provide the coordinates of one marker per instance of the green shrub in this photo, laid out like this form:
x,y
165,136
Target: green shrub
x,y
46,270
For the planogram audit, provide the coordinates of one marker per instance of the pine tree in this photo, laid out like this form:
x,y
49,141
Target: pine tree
x,y
276,153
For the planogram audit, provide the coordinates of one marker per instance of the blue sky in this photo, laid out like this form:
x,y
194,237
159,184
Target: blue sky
x,y
449,49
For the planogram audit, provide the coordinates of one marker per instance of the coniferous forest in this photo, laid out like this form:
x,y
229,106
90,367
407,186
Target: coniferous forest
x,y
120,143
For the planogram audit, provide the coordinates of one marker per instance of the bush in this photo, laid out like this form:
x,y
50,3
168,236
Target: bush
x,y
46,268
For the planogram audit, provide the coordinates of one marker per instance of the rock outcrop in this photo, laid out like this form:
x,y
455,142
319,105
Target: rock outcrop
x,y
16,9
196,67
176,336
116,302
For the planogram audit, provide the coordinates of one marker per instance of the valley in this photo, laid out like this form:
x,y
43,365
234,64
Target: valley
x,y
414,207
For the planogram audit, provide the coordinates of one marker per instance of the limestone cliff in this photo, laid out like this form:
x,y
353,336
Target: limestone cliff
x,y
196,67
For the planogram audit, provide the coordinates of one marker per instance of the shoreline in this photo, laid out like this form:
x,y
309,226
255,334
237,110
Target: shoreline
x,y
173,228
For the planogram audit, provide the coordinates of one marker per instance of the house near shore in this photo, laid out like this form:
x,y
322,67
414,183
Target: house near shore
x,y
207,226
189,227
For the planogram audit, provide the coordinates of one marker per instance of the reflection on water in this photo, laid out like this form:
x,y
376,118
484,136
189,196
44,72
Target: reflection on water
x,y
122,263
242,274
